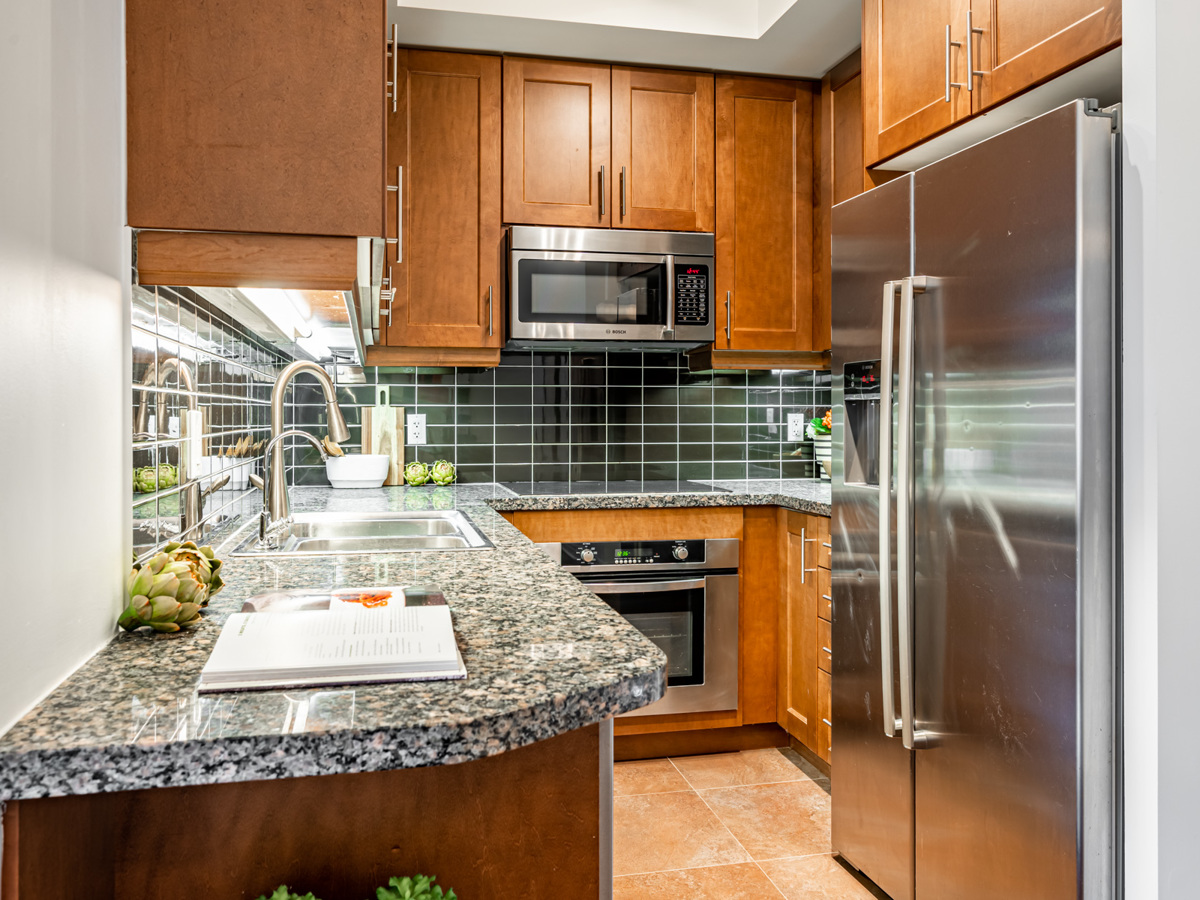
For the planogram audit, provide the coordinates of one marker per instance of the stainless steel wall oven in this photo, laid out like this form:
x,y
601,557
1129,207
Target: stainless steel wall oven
x,y
683,595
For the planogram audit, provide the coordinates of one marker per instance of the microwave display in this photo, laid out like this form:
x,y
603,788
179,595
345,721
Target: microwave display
x,y
601,292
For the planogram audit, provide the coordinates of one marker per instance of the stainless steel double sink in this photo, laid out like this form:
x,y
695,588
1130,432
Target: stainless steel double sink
x,y
326,534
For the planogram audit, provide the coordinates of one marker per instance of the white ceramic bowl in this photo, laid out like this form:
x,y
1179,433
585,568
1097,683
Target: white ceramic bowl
x,y
358,470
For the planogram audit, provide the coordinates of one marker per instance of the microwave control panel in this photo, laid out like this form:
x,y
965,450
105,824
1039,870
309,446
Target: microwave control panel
x,y
691,295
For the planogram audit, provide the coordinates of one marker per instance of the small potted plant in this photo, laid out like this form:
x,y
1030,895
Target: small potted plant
x,y
819,430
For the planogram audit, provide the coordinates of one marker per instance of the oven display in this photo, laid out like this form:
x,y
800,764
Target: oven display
x,y
633,553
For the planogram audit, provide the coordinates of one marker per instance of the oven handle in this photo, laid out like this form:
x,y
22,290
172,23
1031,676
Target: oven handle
x,y
644,587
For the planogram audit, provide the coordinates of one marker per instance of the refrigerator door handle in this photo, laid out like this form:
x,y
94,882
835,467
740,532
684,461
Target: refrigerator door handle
x,y
910,287
886,666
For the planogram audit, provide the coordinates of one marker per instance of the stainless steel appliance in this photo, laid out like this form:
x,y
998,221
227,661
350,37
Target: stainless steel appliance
x,y
973,526
683,595
616,287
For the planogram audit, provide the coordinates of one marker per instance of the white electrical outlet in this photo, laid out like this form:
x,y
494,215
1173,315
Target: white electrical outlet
x,y
796,425
416,428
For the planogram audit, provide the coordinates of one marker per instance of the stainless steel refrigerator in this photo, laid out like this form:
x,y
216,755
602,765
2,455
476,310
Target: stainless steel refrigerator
x,y
974,517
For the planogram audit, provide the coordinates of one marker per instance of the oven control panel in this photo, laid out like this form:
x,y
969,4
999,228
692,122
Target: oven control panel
x,y
691,295
632,553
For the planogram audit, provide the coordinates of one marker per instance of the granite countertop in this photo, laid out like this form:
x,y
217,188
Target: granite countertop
x,y
804,496
544,656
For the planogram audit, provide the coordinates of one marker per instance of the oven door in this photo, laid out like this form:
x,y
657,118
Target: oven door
x,y
694,621
591,296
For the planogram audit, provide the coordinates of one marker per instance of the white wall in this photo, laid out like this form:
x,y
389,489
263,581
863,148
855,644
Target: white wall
x,y
1162,434
64,334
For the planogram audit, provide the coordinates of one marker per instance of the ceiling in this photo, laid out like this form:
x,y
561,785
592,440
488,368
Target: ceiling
x,y
799,38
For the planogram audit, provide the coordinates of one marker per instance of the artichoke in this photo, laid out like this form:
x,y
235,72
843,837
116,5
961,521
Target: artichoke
x,y
164,594
442,472
145,480
205,566
416,472
442,498
168,476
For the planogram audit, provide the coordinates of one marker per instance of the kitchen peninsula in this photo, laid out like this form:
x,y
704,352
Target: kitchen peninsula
x,y
125,752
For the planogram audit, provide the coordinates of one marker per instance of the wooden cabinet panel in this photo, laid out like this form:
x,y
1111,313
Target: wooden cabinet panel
x,y
824,648
759,611
824,595
234,125
445,139
824,735
905,72
764,214
1026,41
662,149
797,701
556,141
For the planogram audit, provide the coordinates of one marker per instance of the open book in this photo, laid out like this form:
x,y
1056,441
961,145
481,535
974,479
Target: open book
x,y
342,645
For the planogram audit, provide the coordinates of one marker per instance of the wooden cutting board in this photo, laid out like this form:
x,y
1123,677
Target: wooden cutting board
x,y
383,432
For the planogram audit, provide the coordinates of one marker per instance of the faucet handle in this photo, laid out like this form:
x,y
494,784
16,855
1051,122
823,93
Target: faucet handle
x,y
256,481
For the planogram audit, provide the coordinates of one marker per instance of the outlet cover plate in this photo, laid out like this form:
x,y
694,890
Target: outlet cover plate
x,y
795,424
416,428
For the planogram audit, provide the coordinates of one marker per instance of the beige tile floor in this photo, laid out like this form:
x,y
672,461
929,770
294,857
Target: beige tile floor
x,y
746,825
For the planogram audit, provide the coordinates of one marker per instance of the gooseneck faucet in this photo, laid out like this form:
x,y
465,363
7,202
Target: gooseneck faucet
x,y
266,519
275,490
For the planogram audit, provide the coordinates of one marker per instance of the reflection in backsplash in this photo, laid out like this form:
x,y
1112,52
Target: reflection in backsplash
x,y
201,388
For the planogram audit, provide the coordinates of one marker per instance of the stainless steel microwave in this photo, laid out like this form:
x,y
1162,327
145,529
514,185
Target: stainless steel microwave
x,y
572,286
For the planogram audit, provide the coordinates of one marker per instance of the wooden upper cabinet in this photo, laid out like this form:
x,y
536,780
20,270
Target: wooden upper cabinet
x,y
444,141
662,149
557,169
910,68
764,214
254,118
1024,42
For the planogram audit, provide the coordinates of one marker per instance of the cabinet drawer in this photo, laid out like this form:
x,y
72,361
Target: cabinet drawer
x,y
824,552
824,716
824,595
824,645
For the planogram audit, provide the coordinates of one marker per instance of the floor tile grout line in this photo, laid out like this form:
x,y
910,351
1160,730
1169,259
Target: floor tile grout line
x,y
717,816
771,880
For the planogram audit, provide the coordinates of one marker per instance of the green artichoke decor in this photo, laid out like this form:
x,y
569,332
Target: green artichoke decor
x,y
416,472
442,472
168,591
151,478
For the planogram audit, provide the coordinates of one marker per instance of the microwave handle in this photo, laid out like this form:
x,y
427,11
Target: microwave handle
x,y
644,587
670,332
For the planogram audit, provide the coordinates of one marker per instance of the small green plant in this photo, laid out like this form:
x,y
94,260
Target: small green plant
x,y
419,888
282,893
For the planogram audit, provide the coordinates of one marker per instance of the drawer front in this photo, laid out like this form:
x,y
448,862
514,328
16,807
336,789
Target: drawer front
x,y
824,717
824,595
824,645
824,552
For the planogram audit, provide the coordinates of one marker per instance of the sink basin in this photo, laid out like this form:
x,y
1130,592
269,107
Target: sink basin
x,y
323,534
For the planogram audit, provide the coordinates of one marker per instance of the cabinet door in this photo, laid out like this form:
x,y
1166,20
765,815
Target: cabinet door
x,y
556,143
798,627
764,297
909,72
662,149
1024,42
232,127
445,140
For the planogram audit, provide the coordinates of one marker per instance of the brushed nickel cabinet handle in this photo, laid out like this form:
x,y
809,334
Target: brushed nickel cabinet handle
x,y
971,70
728,316
622,192
394,84
399,214
603,191
489,310
949,44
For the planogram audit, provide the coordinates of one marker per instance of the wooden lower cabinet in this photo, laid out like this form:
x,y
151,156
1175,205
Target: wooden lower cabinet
x,y
804,632
445,262
823,745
